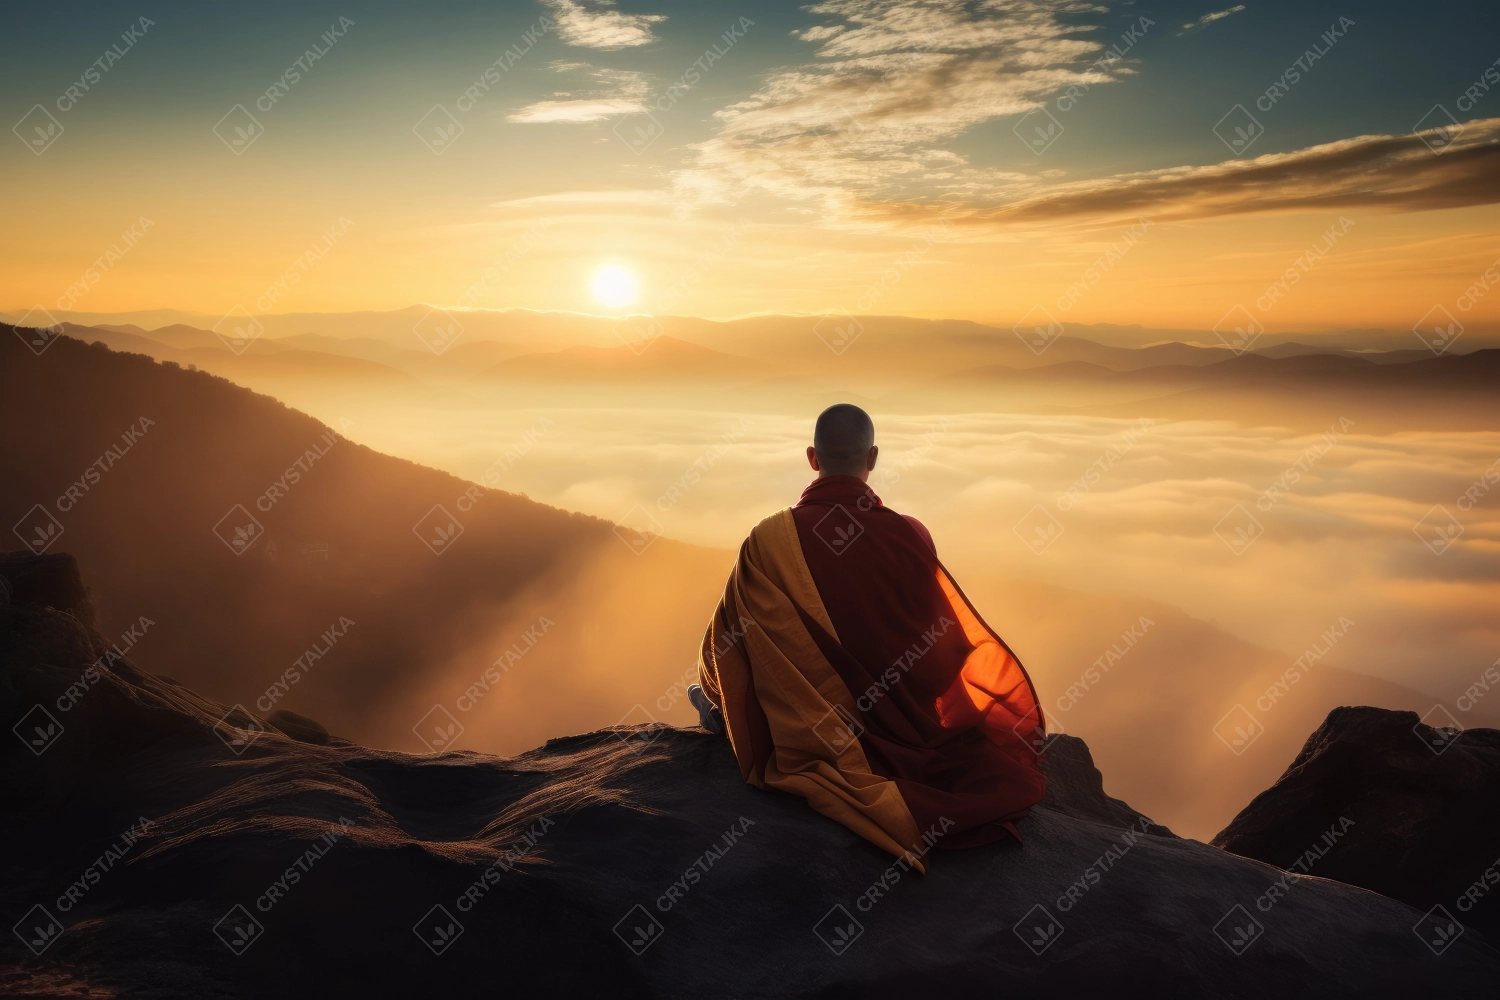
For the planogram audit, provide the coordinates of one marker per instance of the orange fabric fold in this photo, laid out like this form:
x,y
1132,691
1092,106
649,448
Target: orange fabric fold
x,y
787,711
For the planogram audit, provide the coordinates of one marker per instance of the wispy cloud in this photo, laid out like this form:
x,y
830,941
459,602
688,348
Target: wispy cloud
x,y
1208,19
597,24
891,83
608,94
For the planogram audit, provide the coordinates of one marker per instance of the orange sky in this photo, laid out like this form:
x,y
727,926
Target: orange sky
x,y
1383,270
828,158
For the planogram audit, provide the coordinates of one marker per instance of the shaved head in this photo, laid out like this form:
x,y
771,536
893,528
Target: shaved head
x,y
842,439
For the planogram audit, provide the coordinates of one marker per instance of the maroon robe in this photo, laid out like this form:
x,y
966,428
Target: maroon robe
x,y
901,650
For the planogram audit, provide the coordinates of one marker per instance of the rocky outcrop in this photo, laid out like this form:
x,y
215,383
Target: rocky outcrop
x,y
159,845
1415,810
44,581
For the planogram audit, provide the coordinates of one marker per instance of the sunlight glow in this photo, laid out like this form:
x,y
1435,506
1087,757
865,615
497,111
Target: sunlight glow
x,y
614,286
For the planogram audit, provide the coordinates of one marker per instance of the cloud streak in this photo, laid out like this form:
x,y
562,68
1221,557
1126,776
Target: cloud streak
x,y
1380,172
1208,19
612,92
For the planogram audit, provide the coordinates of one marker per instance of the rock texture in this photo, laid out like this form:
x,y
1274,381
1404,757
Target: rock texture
x,y
152,850
1422,808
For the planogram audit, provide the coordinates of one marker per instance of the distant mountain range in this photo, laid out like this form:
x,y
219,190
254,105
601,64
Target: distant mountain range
x,y
554,330
789,345
664,359
895,365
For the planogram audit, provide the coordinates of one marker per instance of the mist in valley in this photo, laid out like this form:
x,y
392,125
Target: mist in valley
x,y
1191,596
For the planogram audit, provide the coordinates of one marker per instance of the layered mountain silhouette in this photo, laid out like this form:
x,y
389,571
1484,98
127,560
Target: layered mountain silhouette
x,y
1306,391
234,855
662,358
907,365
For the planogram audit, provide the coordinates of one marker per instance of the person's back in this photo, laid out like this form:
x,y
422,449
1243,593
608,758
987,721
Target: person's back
x,y
852,671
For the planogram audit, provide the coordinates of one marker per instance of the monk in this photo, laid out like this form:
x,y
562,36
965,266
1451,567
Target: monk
x,y
848,668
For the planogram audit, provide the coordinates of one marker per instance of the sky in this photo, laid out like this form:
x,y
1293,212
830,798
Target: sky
x,y
934,159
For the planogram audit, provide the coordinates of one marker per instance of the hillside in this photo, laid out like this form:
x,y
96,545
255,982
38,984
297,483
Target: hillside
x,y
337,532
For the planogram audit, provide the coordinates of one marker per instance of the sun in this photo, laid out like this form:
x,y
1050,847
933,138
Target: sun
x,y
614,286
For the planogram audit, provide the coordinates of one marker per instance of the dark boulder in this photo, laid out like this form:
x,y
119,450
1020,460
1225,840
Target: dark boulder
x,y
1417,812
